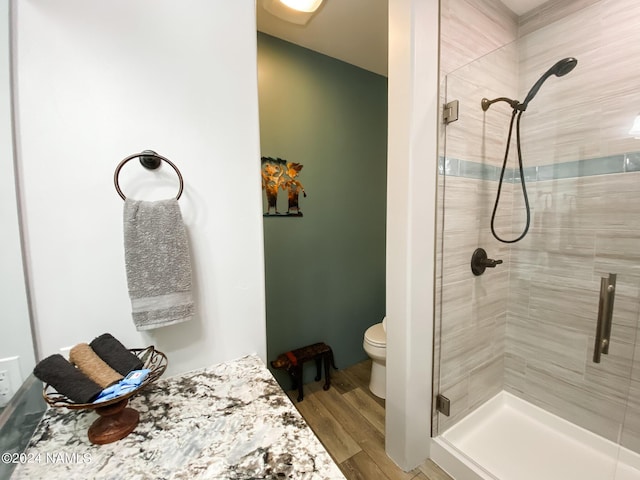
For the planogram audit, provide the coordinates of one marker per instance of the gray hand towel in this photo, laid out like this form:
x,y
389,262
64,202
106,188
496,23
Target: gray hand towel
x,y
158,263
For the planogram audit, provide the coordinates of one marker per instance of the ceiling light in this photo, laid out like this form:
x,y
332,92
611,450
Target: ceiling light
x,y
303,5
293,11
635,129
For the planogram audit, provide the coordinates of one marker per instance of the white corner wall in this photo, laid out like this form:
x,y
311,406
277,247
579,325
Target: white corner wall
x,y
16,334
98,81
411,207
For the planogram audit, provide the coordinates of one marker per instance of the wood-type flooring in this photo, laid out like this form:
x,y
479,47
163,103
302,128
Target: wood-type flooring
x,y
349,421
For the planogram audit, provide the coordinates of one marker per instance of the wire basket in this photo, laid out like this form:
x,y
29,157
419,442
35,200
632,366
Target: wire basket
x,y
116,420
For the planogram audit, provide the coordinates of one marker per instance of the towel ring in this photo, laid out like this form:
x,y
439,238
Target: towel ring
x,y
145,160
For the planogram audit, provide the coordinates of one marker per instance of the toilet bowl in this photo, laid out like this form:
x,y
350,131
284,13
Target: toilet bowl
x,y
375,344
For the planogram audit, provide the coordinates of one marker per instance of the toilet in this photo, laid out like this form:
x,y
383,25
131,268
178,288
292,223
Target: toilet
x,y
375,344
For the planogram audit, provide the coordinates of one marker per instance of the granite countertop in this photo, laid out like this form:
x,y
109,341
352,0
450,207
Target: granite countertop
x,y
229,421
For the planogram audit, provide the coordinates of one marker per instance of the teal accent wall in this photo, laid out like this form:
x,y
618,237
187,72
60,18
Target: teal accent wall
x,y
325,271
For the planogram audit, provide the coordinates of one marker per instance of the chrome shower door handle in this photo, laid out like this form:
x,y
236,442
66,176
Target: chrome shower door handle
x,y
605,316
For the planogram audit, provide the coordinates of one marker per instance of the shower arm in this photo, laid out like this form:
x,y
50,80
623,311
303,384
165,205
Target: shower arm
x,y
515,104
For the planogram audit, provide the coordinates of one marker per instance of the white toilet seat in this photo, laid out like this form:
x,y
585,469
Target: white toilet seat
x,y
376,336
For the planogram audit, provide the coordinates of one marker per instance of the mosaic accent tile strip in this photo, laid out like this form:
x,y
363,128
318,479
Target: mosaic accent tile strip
x,y
623,163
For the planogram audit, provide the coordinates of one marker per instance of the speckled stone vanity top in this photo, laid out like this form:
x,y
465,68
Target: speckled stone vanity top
x,y
229,421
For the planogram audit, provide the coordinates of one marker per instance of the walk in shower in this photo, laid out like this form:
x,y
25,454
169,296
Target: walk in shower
x,y
530,385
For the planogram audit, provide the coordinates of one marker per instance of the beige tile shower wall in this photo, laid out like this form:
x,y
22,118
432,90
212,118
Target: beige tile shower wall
x,y
480,136
470,29
582,229
474,322
550,12
473,308
588,112
631,431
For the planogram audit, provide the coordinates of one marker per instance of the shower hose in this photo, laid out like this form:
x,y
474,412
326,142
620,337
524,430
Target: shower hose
x,y
516,112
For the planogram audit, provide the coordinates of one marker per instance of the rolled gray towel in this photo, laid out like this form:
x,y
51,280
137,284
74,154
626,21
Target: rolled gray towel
x,y
158,263
114,354
67,379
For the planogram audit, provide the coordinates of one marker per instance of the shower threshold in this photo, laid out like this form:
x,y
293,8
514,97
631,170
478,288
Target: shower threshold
x,y
510,439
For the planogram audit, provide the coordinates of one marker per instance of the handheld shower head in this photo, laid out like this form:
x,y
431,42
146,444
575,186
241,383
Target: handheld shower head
x,y
564,66
560,69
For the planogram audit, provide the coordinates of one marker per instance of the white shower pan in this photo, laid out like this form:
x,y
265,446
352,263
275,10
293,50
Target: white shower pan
x,y
510,439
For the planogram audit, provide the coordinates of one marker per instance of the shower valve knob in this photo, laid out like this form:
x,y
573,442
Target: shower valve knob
x,y
480,261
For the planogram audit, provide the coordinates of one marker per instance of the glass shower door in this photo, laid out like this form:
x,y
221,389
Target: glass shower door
x,y
517,343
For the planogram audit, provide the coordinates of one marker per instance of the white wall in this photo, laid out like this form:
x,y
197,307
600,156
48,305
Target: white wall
x,y
411,201
15,338
98,81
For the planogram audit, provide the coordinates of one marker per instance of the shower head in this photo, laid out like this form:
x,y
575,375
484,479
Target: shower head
x,y
564,66
560,69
